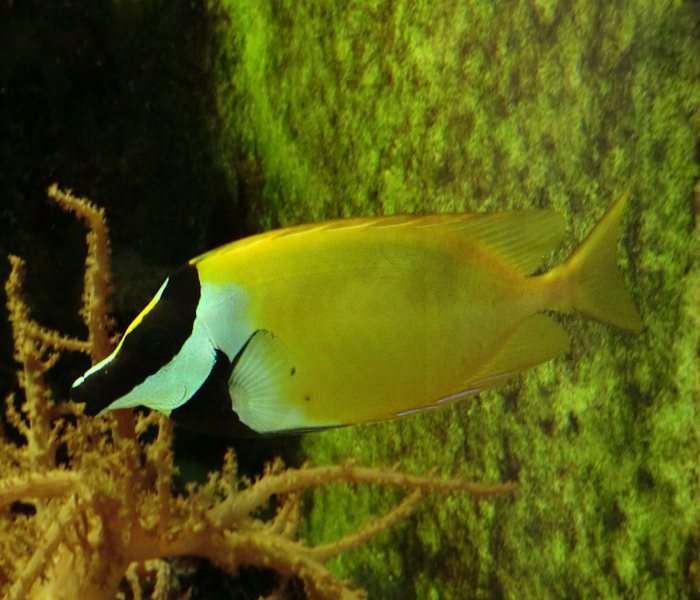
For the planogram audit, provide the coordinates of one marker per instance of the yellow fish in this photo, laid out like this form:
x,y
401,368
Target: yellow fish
x,y
357,320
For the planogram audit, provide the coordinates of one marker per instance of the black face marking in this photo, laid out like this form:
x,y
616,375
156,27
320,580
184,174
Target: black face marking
x,y
209,409
156,346
148,347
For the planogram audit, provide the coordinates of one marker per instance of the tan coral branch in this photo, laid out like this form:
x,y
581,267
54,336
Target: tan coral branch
x,y
369,531
41,557
37,485
97,286
37,400
250,499
98,280
284,556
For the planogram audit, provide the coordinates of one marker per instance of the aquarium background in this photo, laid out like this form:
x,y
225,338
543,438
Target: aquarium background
x,y
194,123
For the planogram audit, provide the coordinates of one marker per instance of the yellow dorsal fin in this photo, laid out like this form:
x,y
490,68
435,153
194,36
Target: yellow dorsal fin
x,y
523,238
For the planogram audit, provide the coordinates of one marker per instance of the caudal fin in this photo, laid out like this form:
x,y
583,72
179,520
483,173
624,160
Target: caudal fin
x,y
596,286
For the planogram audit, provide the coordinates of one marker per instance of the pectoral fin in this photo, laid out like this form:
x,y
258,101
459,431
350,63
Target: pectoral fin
x,y
261,385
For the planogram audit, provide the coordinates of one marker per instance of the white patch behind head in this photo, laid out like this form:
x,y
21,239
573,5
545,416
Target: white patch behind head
x,y
175,383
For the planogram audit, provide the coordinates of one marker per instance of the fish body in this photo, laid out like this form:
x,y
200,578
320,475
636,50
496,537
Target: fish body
x,y
357,320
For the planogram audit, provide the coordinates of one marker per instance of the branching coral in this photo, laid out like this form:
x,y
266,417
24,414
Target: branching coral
x,y
109,513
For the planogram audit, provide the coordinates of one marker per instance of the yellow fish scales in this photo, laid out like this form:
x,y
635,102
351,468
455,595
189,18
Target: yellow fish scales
x,y
359,320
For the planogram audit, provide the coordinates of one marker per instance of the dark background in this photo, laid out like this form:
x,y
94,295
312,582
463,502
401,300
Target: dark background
x,y
115,101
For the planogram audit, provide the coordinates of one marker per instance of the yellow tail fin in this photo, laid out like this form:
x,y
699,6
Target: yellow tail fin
x,y
596,286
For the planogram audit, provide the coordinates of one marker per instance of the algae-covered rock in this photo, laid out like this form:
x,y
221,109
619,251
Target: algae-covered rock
x,y
381,107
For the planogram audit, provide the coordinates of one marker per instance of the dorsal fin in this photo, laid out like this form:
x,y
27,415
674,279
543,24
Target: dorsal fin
x,y
523,238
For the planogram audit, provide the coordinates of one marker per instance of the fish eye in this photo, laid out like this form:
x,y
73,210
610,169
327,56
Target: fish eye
x,y
155,346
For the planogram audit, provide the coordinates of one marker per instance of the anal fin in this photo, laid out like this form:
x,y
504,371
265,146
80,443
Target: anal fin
x,y
539,339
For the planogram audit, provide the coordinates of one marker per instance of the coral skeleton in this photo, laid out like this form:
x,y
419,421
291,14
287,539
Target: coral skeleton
x,y
107,517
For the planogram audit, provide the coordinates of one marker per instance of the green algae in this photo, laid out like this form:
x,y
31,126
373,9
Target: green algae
x,y
382,107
